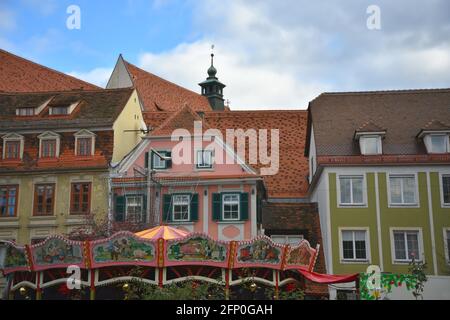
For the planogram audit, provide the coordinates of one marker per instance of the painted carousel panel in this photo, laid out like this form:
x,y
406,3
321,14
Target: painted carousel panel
x,y
12,258
197,249
300,256
57,252
123,249
259,252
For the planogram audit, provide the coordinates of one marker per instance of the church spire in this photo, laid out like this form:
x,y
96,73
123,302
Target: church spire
x,y
212,88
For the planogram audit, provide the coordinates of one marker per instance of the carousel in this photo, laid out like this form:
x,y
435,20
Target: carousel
x,y
166,255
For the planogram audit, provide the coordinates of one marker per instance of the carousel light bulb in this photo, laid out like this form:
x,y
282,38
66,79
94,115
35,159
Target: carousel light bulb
x,y
23,291
253,287
126,287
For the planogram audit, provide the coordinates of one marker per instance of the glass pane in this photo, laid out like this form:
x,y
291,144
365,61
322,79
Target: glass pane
x,y
357,190
370,145
399,245
347,247
347,235
448,244
360,249
413,244
396,190
438,144
409,190
345,190
446,188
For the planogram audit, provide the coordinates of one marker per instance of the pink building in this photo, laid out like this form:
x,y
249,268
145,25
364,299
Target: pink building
x,y
188,178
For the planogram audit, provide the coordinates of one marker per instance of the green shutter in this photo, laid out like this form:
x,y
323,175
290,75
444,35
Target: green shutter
x,y
119,208
146,160
151,154
217,207
167,207
168,162
244,206
194,207
144,208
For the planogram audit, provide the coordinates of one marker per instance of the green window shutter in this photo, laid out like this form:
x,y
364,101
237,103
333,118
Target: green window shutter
x,y
168,162
244,206
144,208
217,207
151,155
119,208
167,207
194,207
146,160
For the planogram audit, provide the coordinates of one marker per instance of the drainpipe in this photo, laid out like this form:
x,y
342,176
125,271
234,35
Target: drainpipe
x,y
110,204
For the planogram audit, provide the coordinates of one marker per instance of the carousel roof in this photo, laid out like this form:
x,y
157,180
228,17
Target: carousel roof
x,y
164,232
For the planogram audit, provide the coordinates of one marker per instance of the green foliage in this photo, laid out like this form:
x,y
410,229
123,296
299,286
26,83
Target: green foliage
x,y
417,269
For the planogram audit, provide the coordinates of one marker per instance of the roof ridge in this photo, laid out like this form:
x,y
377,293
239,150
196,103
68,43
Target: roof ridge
x,y
399,91
48,68
7,93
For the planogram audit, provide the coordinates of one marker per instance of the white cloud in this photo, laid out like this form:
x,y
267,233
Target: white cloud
x,y
7,19
97,76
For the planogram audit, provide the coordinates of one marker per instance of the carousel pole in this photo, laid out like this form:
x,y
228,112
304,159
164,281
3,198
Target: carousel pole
x,y
38,286
227,284
92,286
10,293
277,287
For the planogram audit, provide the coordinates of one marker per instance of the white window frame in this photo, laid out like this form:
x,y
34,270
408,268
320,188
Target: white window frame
x,y
429,145
446,248
238,203
203,167
142,205
174,203
415,204
364,190
286,238
441,187
18,111
48,135
85,134
420,244
13,137
154,156
368,258
362,145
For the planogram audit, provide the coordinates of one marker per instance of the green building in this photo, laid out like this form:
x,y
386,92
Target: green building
x,y
380,172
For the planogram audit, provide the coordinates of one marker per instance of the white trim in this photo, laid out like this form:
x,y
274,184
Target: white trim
x,y
188,206
377,208
49,135
141,197
13,137
416,204
431,221
446,248
428,145
368,258
330,253
363,204
83,133
441,189
238,203
363,140
203,168
420,244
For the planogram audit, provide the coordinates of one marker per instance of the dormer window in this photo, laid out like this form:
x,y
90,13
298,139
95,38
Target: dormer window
x,y
61,110
25,112
84,143
437,143
13,146
370,145
49,144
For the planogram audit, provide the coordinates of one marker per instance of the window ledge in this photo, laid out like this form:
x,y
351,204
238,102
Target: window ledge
x,y
9,218
411,205
181,222
231,222
345,205
37,218
355,261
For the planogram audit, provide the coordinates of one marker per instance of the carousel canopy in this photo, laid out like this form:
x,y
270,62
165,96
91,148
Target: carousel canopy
x,y
165,232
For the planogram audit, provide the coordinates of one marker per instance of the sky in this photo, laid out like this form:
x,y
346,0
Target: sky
x,y
270,54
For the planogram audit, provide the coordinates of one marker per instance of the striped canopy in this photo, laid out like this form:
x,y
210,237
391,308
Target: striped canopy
x,y
164,232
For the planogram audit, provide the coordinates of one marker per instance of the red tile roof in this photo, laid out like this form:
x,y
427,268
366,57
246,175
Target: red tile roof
x,y
183,118
158,94
20,75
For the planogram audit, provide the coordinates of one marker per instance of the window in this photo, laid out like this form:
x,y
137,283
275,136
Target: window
x,y
134,208
292,240
157,161
351,190
406,245
80,198
59,110
204,159
181,204
354,245
84,146
437,143
230,206
44,198
370,145
25,112
48,148
402,190
447,240
8,201
446,190
12,150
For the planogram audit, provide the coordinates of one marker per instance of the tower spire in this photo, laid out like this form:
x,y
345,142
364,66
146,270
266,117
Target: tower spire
x,y
212,88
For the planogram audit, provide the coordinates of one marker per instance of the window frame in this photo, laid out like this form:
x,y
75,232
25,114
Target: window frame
x,y
155,156
362,146
223,206
355,260
415,204
136,196
85,134
441,187
419,244
35,199
48,136
364,191
429,145
16,203
203,167
173,204
80,201
19,113
14,138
